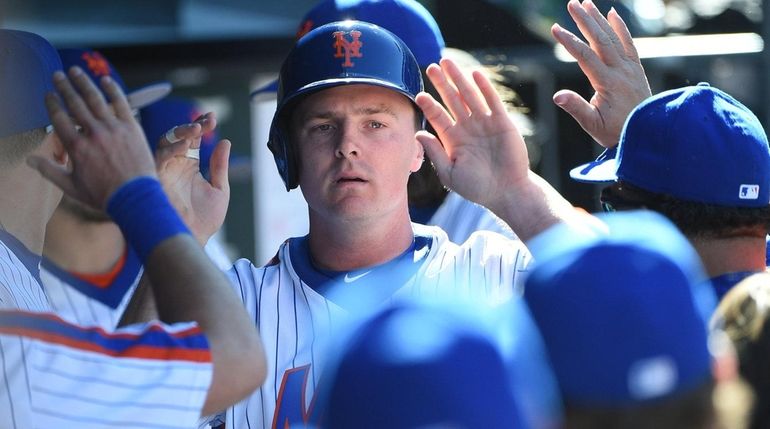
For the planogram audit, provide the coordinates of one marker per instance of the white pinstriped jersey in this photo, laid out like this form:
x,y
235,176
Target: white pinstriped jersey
x,y
460,218
19,276
297,312
58,375
82,303
54,374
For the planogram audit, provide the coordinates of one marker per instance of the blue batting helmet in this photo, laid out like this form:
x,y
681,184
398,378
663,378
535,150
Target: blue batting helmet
x,y
338,53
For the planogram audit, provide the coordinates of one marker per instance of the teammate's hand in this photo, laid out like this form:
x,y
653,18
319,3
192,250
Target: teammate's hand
x,y
202,204
613,68
105,144
479,152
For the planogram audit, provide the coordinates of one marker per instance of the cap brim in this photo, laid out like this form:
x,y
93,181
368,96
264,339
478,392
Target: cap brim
x,y
147,95
269,88
602,170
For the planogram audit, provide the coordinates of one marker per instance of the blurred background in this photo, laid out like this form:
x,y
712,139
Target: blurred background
x,y
217,52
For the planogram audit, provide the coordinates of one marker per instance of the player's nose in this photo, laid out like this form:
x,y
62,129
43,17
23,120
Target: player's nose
x,y
347,145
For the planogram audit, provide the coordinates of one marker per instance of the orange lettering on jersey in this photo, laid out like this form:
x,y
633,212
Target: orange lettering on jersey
x,y
347,48
96,63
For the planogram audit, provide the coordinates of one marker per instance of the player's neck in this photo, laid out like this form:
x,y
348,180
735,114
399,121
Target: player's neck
x,y
343,248
26,203
82,246
729,255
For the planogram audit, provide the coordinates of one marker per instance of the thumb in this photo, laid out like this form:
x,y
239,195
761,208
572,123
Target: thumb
x,y
583,112
437,154
56,173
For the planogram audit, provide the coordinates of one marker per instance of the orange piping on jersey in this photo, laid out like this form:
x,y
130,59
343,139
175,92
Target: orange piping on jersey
x,y
104,280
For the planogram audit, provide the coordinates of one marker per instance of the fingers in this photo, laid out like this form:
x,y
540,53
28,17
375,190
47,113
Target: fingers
x,y
600,36
624,36
193,131
435,113
208,122
591,65
447,91
491,96
436,154
73,102
219,166
467,92
170,151
61,121
584,113
181,132
54,172
117,99
92,96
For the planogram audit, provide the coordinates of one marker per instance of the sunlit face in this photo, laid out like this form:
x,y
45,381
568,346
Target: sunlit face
x,y
356,148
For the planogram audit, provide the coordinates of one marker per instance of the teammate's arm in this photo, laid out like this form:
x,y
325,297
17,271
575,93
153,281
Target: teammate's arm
x,y
141,307
109,154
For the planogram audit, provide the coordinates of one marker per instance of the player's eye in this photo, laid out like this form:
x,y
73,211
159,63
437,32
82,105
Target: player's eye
x,y
376,124
322,127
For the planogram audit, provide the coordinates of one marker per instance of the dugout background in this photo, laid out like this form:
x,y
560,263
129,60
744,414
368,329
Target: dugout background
x,y
219,51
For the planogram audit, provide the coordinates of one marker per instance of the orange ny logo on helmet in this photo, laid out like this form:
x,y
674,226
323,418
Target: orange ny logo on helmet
x,y
96,63
350,48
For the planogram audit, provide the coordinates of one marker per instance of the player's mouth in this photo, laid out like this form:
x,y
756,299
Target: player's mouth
x,y
349,177
343,180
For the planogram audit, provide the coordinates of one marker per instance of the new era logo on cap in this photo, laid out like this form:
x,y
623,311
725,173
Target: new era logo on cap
x,y
749,192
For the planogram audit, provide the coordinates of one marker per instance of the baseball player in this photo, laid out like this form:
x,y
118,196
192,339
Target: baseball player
x,y
624,318
430,202
695,154
344,132
57,374
89,272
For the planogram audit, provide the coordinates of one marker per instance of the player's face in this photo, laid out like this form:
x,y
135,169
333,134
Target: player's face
x,y
356,148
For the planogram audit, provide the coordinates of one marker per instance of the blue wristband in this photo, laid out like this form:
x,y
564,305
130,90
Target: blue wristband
x,y
144,214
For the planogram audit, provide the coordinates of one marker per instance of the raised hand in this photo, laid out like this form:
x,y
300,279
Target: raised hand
x,y
105,144
202,204
479,153
612,65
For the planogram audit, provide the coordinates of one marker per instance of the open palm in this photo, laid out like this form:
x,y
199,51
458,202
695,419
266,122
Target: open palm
x,y
202,204
479,152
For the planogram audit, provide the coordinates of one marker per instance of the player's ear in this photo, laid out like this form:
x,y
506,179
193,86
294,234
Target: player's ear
x,y
56,148
419,157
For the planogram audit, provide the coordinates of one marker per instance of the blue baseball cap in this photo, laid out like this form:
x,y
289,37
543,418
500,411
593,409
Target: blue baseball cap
x,y
414,365
624,315
27,63
95,65
407,19
695,143
163,115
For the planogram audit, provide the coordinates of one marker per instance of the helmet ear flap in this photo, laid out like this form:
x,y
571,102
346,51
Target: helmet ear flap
x,y
283,153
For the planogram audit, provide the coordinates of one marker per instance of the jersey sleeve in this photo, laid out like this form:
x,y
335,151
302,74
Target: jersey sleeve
x,y
60,375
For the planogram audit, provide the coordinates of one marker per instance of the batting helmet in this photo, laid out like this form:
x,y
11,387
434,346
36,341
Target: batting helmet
x,y
338,53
